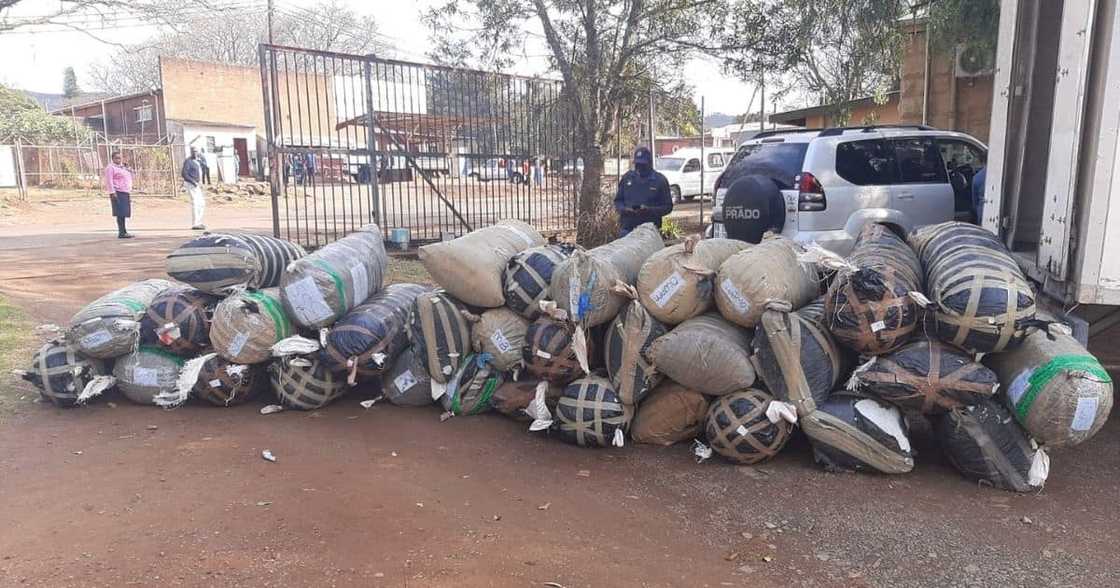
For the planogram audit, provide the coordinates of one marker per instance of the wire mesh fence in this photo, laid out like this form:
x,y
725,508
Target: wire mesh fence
x,y
81,167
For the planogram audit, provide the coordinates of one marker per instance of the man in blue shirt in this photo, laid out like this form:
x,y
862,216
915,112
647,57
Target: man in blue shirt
x,y
978,194
643,194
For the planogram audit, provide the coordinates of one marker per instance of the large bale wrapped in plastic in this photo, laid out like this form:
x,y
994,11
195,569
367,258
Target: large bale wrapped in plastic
x,y
471,390
874,304
742,427
512,397
1055,388
219,263
247,324
470,267
925,376
304,383
370,336
706,353
672,413
853,432
590,414
548,351
584,284
985,444
148,374
323,286
528,277
223,383
797,358
407,383
500,333
626,352
61,373
982,300
179,321
677,283
440,333
110,326
762,275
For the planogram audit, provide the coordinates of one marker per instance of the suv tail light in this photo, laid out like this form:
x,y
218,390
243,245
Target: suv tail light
x,y
810,197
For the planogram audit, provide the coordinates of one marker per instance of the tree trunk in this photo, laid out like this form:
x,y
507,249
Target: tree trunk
x,y
595,221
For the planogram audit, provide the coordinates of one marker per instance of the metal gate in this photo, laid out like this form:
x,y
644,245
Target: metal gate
x,y
434,150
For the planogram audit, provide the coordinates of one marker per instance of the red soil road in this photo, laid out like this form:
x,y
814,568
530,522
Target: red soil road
x,y
93,497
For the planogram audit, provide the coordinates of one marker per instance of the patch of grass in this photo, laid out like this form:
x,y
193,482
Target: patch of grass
x,y
407,269
17,343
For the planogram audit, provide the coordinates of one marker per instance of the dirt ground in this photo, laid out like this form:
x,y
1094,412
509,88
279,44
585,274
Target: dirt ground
x,y
118,495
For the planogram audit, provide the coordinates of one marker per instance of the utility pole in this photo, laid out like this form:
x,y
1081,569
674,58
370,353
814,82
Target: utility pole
x,y
703,165
762,103
652,127
270,22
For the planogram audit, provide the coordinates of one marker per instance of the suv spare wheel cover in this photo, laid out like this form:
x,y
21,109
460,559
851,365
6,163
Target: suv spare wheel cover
x,y
753,205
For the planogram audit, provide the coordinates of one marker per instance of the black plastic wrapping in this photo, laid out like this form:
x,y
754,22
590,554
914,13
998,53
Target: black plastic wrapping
x,y
590,413
927,377
440,333
846,408
985,444
527,277
179,321
61,373
224,383
548,352
737,427
814,353
372,334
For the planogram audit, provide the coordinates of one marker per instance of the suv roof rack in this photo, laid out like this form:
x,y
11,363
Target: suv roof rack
x,y
771,133
836,131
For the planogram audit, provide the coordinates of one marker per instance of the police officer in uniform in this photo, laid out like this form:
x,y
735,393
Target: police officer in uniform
x,y
643,194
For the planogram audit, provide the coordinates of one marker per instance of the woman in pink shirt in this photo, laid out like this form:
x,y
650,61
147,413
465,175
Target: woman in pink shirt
x,y
118,181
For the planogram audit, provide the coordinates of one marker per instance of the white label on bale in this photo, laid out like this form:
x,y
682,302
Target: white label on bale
x,y
145,376
878,326
215,383
96,339
405,381
1019,386
742,431
544,354
360,278
499,340
1085,414
307,301
736,297
237,343
667,289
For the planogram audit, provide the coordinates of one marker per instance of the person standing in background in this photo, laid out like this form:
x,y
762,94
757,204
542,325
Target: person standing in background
x,y
538,171
118,182
192,177
643,194
205,168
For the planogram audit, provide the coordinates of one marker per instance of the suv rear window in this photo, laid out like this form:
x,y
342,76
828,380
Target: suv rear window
x,y
780,162
866,163
919,161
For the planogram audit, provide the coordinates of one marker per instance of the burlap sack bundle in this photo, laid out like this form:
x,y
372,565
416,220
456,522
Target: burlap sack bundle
x,y
322,287
365,341
767,273
584,284
470,267
179,321
512,397
147,373
672,413
706,353
500,333
1055,388
218,263
677,283
627,343
110,326
440,332
61,373
247,324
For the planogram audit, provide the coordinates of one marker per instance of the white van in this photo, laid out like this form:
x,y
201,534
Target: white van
x,y
683,168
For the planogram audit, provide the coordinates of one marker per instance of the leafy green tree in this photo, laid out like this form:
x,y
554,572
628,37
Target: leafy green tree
x,y
21,119
70,86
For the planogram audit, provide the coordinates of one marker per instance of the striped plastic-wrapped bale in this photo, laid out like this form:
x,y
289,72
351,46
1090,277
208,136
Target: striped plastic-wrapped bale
x,y
500,333
983,302
528,275
223,383
797,358
323,286
590,414
676,283
247,324
110,326
470,267
147,373
217,263
303,383
853,432
406,382
1055,388
440,333
471,390
739,429
583,284
985,444
706,353
61,373
873,306
761,275
179,321
925,376
626,346
548,351
371,335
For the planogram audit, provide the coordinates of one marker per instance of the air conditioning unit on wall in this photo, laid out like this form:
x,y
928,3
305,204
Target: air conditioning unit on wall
x,y
974,61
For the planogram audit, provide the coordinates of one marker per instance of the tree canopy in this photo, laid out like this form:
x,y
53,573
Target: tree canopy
x,y
70,87
22,119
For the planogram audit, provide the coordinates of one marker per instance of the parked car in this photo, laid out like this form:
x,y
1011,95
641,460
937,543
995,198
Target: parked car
x,y
683,170
823,185
491,169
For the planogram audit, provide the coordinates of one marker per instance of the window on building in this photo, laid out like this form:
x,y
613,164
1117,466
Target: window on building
x,y
866,163
143,113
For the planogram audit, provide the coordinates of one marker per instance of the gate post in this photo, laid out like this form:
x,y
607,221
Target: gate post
x,y
270,147
371,143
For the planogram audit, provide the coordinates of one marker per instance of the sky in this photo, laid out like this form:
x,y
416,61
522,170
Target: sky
x,y
42,55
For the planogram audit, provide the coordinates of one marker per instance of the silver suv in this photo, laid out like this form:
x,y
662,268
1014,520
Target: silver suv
x,y
823,185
